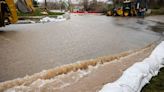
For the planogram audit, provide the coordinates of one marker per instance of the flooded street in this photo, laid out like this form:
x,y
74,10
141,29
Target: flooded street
x,y
29,48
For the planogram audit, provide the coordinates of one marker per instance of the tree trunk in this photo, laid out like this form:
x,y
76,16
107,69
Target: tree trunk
x,y
45,2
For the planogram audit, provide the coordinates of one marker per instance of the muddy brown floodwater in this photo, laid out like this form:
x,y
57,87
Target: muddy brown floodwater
x,y
29,48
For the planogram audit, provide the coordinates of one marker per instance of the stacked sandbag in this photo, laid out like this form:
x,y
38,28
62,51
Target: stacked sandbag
x,y
49,19
139,74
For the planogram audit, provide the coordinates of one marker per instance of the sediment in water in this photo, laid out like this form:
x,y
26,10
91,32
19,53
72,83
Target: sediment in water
x,y
51,73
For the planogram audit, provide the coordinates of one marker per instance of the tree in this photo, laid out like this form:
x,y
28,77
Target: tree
x,y
93,5
35,3
85,4
70,5
155,3
45,4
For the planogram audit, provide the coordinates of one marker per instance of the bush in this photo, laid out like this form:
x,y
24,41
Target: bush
x,y
36,13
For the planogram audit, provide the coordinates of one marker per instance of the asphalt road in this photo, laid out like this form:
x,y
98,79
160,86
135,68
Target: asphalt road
x,y
29,48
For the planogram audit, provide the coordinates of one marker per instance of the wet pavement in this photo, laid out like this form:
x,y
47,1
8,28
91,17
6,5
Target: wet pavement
x,y
29,48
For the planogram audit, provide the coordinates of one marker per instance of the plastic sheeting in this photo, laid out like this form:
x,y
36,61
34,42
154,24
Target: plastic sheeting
x,y
139,74
48,19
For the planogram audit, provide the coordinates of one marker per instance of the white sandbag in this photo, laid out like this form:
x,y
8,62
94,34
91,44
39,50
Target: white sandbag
x,y
130,81
112,87
158,53
146,70
48,19
142,67
138,75
60,17
154,65
144,82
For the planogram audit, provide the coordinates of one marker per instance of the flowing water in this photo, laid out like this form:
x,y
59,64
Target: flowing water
x,y
26,49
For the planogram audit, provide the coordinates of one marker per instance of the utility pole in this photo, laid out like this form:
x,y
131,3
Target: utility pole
x,y
70,5
45,6
61,3
85,4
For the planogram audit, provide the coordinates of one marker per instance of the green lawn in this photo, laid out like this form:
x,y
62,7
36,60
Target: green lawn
x,y
159,11
156,84
38,13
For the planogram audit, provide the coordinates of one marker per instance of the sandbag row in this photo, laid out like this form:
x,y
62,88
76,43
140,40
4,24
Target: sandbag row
x,y
139,74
